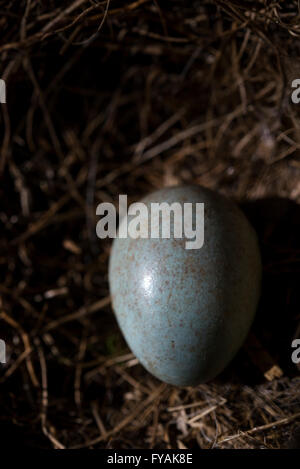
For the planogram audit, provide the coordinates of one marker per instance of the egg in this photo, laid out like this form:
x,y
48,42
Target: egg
x,y
186,310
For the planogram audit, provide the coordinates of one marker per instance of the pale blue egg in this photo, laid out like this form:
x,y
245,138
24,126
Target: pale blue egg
x,y
185,312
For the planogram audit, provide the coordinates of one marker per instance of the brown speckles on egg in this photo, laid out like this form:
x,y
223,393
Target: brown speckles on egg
x,y
185,313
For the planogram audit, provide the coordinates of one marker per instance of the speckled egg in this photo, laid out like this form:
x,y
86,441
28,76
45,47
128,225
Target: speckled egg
x,y
185,312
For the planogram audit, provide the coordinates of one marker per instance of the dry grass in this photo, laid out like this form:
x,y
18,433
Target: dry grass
x,y
125,97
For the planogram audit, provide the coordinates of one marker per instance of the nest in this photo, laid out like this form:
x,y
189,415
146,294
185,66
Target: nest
x,y
125,97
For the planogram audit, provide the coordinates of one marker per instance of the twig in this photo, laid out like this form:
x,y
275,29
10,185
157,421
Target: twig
x,y
277,423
